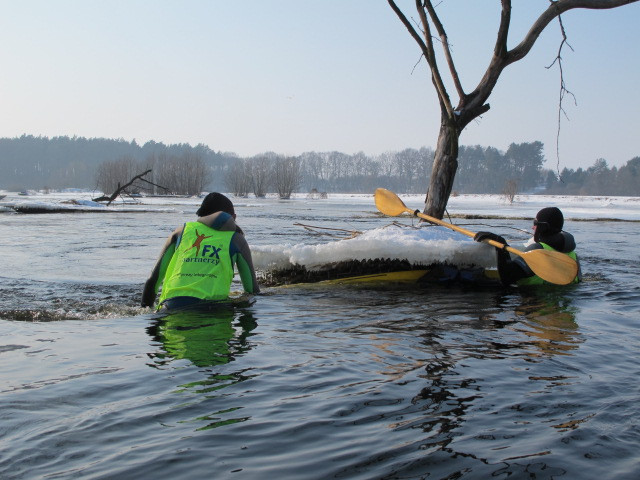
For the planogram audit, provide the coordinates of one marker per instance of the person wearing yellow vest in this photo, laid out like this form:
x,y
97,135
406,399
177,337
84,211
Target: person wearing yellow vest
x,y
197,261
548,234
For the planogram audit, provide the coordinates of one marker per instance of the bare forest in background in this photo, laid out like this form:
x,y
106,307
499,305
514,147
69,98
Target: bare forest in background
x,y
30,162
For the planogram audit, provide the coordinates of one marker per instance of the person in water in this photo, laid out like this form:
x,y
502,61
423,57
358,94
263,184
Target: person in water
x,y
548,234
197,261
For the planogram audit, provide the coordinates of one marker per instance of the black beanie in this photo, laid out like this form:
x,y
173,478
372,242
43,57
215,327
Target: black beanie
x,y
215,202
549,221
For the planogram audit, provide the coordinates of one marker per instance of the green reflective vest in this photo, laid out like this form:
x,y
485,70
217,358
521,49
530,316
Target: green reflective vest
x,y
536,280
201,266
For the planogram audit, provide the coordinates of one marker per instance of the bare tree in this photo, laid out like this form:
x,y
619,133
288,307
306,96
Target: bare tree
x,y
198,175
510,190
286,176
237,179
165,170
259,170
112,173
186,174
453,119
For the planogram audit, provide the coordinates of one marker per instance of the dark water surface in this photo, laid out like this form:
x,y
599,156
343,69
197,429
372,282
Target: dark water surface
x,y
341,382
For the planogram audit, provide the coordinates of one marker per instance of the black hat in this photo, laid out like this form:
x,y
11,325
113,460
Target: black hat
x,y
215,202
549,221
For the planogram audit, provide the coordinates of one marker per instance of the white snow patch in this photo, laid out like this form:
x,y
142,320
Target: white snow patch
x,y
420,246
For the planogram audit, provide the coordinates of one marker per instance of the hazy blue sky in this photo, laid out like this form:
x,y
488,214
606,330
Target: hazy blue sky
x,y
294,75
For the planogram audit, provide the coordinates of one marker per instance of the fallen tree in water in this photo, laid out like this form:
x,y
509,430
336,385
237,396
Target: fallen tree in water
x,y
123,188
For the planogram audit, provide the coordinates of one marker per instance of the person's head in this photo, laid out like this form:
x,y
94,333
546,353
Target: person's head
x,y
549,221
216,202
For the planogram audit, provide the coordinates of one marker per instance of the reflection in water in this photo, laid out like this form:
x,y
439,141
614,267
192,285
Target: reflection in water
x,y
549,320
209,340
205,338
544,320
453,373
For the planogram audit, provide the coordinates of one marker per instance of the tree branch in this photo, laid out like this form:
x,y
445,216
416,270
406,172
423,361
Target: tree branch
x,y
500,49
426,45
445,101
475,104
502,58
120,188
151,183
563,89
445,46
556,8
409,27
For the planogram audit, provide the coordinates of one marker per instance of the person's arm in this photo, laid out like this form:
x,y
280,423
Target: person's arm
x,y
154,281
510,271
244,264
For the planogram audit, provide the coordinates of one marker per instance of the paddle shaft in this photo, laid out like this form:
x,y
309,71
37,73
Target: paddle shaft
x,y
464,231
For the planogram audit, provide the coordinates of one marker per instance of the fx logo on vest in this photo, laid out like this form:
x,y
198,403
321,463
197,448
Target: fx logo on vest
x,y
205,250
214,251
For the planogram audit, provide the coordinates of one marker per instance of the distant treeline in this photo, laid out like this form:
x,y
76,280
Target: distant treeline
x,y
598,179
30,162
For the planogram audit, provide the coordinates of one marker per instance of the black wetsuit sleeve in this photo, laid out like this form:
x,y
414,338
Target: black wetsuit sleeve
x,y
148,293
511,270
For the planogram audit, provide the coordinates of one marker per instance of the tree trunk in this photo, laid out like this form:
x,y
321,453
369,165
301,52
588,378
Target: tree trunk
x,y
445,164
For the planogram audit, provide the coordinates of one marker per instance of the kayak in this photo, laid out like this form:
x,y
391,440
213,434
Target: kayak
x,y
390,254
435,274
410,276
451,275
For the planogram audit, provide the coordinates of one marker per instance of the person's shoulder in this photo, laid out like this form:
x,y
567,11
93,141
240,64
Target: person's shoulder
x,y
532,245
561,242
220,221
238,237
569,242
177,232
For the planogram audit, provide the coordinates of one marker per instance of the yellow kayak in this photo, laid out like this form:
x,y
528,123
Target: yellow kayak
x,y
440,274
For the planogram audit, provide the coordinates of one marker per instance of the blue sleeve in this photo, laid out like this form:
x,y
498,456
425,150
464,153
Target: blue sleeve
x,y
220,220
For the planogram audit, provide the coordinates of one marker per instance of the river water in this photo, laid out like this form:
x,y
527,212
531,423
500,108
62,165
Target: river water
x,y
312,381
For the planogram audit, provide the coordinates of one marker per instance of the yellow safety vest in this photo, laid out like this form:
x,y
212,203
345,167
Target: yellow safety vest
x,y
201,266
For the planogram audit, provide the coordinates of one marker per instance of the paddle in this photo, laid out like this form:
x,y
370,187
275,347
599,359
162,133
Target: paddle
x,y
551,266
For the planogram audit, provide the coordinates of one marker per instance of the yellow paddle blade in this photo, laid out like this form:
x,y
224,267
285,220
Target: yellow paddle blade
x,y
551,266
389,203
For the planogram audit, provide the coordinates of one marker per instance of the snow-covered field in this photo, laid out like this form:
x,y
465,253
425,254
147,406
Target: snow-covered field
x,y
574,207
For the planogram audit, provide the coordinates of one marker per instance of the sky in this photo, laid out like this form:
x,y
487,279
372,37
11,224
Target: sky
x,y
291,76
